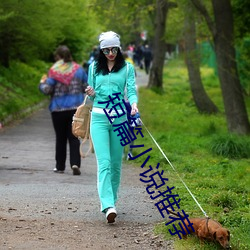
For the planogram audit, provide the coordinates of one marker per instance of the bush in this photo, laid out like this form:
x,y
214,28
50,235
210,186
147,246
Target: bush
x,y
19,88
224,200
231,146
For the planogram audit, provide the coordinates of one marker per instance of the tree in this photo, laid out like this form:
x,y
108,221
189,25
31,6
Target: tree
x,y
223,38
127,17
159,46
242,33
28,33
201,99
23,33
241,17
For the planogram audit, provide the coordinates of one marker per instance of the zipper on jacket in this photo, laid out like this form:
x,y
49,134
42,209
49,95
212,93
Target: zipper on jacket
x,y
109,84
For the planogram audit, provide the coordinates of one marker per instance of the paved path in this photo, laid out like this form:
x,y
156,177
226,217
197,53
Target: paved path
x,y
26,163
141,78
37,206
27,160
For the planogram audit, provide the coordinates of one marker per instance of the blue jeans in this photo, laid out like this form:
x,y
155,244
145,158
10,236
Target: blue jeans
x,y
108,151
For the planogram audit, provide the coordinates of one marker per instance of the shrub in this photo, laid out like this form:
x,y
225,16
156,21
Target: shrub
x,y
224,200
231,146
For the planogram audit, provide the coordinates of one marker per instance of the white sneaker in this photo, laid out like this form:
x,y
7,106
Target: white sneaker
x,y
58,171
128,158
111,214
76,170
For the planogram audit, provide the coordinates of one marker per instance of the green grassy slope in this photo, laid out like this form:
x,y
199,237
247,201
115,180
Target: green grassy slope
x,y
214,164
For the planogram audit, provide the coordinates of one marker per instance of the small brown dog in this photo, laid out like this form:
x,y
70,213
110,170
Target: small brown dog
x,y
208,229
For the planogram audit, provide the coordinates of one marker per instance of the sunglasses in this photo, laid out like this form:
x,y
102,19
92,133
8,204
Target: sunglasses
x,y
106,51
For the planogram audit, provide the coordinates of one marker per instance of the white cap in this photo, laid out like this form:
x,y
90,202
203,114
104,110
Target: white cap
x,y
109,39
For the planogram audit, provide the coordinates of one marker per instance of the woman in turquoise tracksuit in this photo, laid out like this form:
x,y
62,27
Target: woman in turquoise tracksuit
x,y
109,75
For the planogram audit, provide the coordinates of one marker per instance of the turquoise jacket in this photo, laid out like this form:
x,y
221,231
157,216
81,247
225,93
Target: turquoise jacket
x,y
122,81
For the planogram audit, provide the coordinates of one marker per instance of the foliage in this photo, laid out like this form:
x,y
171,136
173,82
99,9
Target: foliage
x,y
243,60
27,33
175,25
242,37
220,184
19,88
241,17
231,146
128,18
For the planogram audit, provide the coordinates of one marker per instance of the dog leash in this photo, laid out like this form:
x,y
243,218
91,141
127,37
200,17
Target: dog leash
x,y
175,170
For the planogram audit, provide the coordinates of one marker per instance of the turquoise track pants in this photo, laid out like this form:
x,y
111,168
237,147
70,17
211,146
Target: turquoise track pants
x,y
108,151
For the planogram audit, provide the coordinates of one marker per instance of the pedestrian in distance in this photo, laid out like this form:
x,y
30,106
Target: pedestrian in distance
x,y
109,76
65,83
93,54
138,54
147,54
92,57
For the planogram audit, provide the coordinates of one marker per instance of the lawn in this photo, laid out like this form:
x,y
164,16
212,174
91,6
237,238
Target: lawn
x,y
200,152
19,88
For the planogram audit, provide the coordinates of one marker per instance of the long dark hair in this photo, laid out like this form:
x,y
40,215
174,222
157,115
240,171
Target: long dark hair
x,y
102,67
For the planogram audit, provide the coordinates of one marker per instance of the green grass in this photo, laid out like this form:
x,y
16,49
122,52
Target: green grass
x,y
214,164
19,87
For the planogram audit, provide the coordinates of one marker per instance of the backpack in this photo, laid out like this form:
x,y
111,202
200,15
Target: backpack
x,y
81,126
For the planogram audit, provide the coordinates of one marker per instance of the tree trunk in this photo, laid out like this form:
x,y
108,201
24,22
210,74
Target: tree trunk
x,y
223,38
159,46
235,109
201,99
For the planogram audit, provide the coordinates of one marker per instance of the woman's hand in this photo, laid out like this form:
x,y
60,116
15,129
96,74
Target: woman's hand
x,y
134,109
43,79
90,91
